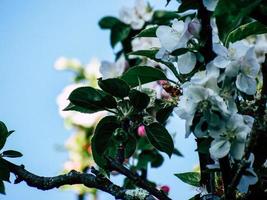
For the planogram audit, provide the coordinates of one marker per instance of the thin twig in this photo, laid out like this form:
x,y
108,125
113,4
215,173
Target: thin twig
x,y
114,165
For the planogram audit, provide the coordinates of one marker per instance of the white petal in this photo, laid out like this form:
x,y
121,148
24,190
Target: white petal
x,y
250,67
210,4
247,180
246,84
186,62
168,37
220,50
219,148
237,150
178,25
221,62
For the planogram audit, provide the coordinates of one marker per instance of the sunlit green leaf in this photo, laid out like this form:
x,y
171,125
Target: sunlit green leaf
x,y
191,178
245,30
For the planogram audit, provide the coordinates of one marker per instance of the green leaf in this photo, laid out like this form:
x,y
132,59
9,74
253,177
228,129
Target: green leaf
x,y
130,146
139,100
142,74
160,138
179,52
196,197
148,32
109,22
177,152
102,139
245,30
230,14
119,32
72,107
164,113
3,134
188,5
2,188
4,172
152,55
115,87
162,17
91,99
12,154
191,178
157,160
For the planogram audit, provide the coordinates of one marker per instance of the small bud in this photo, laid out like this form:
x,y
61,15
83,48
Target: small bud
x,y
163,82
165,188
141,131
194,27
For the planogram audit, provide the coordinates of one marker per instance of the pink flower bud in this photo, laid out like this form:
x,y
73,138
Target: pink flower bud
x,y
194,27
141,131
163,82
165,188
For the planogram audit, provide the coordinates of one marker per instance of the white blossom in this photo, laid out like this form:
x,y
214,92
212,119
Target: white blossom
x,y
63,63
136,16
231,137
210,4
249,177
112,70
198,97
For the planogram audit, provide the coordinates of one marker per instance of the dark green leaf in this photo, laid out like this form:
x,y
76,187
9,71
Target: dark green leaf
x,y
245,30
164,113
12,154
130,146
142,74
91,99
72,107
160,138
115,87
191,178
3,134
196,197
188,5
119,32
179,52
4,171
102,139
149,156
161,17
139,100
204,145
109,22
230,14
2,187
157,160
151,54
177,152
148,32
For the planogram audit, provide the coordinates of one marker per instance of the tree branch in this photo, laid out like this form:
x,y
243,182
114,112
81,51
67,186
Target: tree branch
x,y
204,15
114,165
71,178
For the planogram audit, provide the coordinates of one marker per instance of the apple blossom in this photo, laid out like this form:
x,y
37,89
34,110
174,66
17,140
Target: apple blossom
x,y
136,16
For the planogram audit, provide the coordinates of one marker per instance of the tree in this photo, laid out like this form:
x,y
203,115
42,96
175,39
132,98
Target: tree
x,y
207,63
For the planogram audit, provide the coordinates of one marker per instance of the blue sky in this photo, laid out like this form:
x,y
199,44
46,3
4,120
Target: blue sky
x,y
33,34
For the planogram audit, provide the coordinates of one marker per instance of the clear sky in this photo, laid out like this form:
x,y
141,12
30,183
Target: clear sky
x,y
33,34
